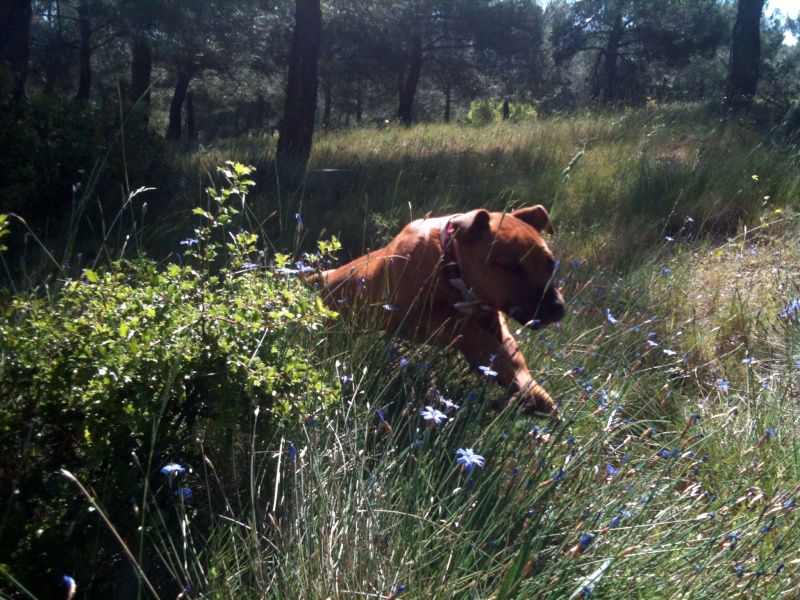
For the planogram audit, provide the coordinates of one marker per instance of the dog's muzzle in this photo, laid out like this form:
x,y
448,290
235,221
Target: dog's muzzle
x,y
550,310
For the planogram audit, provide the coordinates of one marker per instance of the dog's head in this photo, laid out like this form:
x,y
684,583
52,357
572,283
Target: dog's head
x,y
505,260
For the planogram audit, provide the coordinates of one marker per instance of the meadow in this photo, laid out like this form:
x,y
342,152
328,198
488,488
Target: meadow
x,y
192,422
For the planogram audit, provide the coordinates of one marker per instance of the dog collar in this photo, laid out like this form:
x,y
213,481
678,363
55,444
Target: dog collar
x,y
452,272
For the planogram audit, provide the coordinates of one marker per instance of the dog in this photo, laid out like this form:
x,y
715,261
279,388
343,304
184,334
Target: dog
x,y
451,280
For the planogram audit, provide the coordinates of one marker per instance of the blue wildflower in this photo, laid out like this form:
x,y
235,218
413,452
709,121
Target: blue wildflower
x,y
611,470
467,458
172,470
184,493
610,317
71,586
433,415
189,242
449,405
791,309
586,539
723,386
487,371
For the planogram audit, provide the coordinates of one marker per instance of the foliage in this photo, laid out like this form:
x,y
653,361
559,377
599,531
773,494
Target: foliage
x,y
672,473
66,162
488,110
276,460
132,359
623,35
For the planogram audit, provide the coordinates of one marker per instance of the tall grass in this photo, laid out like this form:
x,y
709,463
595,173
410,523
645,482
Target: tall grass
x,y
673,474
617,180
674,470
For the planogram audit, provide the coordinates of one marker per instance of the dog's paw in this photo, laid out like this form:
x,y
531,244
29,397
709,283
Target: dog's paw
x,y
538,404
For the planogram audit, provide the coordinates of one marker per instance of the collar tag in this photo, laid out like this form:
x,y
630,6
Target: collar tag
x,y
451,271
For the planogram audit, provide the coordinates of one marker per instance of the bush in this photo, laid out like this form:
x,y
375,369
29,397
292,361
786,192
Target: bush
x,y
134,360
488,110
65,160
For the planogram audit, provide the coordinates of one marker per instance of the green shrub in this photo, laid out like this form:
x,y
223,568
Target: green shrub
x,y
63,160
132,359
483,111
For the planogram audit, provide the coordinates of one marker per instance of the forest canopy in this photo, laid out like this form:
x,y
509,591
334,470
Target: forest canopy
x,y
206,69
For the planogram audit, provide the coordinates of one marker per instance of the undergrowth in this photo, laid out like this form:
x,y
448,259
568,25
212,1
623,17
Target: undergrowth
x,y
203,427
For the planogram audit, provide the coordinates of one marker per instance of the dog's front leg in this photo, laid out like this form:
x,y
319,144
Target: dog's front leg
x,y
488,342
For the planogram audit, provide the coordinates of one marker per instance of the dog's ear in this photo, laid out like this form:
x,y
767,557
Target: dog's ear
x,y
471,226
536,217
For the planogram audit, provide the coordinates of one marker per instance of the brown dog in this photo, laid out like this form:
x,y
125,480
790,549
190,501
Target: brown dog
x,y
448,281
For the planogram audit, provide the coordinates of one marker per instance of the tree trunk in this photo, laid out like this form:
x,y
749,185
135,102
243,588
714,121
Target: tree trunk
x,y
611,56
84,54
176,106
327,94
745,53
261,111
191,133
409,90
447,98
141,70
297,129
15,23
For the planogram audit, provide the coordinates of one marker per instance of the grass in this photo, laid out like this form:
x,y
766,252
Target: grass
x,y
676,465
674,472
635,173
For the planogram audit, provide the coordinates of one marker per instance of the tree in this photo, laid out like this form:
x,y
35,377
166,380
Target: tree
x,y
297,128
15,22
199,36
631,33
140,18
745,53
491,33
